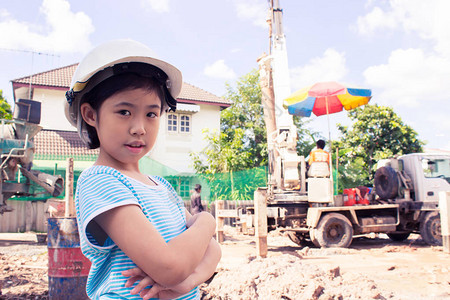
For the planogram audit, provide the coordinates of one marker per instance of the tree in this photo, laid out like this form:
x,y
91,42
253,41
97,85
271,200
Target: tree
x,y
5,108
245,120
243,132
241,144
376,133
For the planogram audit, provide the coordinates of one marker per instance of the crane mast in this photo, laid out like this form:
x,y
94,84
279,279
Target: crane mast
x,y
275,86
280,69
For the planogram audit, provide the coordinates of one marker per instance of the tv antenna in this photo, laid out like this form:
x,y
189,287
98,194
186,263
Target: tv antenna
x,y
32,61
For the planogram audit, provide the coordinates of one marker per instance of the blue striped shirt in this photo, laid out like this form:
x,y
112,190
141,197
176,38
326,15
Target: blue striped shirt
x,y
101,188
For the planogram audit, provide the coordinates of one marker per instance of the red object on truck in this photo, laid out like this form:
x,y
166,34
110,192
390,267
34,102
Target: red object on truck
x,y
349,197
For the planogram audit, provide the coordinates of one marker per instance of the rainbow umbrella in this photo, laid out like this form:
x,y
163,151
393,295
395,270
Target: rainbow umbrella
x,y
325,98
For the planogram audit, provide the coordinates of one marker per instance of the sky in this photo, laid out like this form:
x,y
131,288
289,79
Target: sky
x,y
400,49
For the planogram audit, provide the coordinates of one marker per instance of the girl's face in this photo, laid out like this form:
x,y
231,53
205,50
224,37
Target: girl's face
x,y
127,125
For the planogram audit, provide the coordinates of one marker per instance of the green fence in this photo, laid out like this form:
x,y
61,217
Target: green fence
x,y
239,185
223,186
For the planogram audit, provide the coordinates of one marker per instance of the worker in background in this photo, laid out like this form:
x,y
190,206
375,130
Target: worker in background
x,y
319,161
196,200
318,154
362,194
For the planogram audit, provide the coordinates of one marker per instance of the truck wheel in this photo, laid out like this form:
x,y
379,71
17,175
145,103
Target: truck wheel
x,y
334,230
430,229
398,237
386,183
312,236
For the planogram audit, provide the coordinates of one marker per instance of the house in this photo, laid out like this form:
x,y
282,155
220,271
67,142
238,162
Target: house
x,y
180,132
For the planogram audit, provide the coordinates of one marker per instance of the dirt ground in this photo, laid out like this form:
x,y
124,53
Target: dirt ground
x,y
372,268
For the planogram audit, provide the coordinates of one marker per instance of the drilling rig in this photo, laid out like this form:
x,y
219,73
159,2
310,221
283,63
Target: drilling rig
x,y
303,204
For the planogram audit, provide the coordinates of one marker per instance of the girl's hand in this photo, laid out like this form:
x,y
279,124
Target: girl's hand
x,y
136,274
205,216
172,292
157,290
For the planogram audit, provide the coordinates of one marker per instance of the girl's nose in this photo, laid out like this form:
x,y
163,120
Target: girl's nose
x,y
137,128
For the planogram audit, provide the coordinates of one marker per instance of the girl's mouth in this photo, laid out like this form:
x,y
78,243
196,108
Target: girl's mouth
x,y
135,148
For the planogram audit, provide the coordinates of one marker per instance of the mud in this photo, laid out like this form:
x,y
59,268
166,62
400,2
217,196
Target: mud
x,y
372,268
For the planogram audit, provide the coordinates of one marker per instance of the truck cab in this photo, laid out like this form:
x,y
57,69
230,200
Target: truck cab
x,y
430,174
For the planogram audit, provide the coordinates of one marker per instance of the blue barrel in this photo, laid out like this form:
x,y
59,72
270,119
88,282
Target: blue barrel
x,y
68,268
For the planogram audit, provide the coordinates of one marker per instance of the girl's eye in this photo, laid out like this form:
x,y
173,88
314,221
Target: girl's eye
x,y
124,112
152,115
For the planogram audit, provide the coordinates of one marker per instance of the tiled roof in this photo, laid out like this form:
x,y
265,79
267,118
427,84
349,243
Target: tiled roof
x,y
190,92
59,143
62,78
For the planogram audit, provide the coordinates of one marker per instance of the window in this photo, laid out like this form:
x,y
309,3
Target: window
x,y
181,186
184,188
185,123
436,168
180,123
172,122
174,183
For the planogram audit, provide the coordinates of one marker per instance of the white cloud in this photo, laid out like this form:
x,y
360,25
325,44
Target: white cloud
x,y
160,6
329,67
4,13
376,19
253,10
64,30
429,19
409,77
219,70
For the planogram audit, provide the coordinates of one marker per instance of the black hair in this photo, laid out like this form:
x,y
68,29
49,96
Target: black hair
x,y
320,144
198,187
109,87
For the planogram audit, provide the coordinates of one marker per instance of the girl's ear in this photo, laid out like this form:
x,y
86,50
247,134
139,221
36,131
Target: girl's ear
x,y
89,114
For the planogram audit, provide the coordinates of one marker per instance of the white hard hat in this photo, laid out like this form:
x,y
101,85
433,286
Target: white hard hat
x,y
112,58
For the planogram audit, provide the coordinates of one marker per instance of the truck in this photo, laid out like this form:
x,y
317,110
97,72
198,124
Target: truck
x,y
17,175
405,193
404,200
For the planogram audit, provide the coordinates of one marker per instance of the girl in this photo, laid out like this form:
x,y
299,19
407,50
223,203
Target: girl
x,y
133,225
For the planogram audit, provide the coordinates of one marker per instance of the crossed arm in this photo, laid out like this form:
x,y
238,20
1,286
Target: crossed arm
x,y
174,268
201,273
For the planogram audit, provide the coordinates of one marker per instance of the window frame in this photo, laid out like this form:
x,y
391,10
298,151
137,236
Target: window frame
x,y
180,125
171,121
184,188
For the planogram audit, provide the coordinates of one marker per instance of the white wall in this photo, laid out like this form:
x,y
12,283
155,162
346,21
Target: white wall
x,y
52,109
172,149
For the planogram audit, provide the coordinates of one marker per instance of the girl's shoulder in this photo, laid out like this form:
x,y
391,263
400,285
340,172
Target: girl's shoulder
x,y
96,169
94,173
97,173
